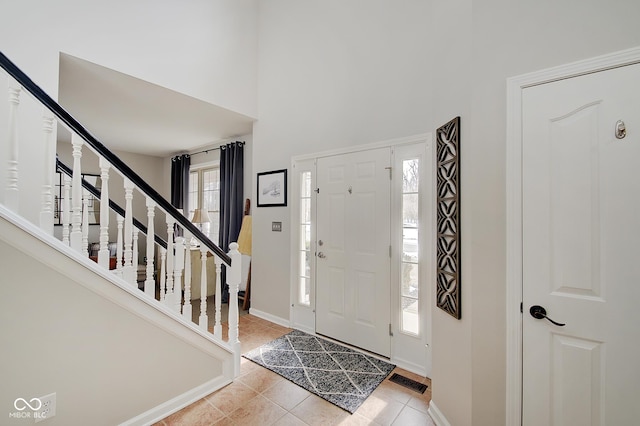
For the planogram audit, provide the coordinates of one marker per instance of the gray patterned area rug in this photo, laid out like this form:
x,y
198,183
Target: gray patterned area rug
x,y
334,372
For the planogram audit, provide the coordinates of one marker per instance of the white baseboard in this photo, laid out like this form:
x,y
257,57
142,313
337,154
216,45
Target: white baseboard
x,y
307,330
410,366
436,415
272,318
179,402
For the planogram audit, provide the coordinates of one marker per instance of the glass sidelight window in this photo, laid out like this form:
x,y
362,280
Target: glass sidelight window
x,y
304,245
409,267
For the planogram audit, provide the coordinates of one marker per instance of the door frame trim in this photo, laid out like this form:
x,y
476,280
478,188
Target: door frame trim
x,y
515,87
426,138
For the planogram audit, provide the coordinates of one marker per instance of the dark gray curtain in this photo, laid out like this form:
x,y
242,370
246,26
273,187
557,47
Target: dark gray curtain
x,y
180,184
180,181
231,199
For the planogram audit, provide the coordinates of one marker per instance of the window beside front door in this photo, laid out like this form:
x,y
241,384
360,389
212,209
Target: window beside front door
x,y
409,269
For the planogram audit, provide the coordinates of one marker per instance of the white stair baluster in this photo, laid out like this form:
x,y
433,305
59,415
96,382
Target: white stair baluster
x,y
134,262
177,274
163,274
233,279
217,327
75,237
46,215
119,252
66,209
11,195
149,283
103,254
187,309
85,222
203,321
128,273
169,297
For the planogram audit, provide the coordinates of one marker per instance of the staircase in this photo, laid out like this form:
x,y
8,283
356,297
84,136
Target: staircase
x,y
110,328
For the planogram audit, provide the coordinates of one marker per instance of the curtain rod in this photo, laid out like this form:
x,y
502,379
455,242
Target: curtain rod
x,y
213,149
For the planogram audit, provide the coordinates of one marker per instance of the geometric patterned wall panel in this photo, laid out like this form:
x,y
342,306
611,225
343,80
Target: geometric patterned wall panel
x,y
448,217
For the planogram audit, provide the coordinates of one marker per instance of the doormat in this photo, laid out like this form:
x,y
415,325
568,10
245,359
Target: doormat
x,y
334,372
408,383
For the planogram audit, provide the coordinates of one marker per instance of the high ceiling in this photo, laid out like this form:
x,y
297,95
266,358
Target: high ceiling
x,y
133,115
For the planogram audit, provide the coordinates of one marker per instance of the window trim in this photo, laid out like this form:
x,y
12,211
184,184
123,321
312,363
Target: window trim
x,y
199,169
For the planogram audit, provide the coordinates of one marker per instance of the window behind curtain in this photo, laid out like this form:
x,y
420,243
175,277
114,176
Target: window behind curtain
x,y
204,190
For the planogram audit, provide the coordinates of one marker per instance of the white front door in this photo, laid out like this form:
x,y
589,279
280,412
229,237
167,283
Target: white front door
x,y
353,237
581,250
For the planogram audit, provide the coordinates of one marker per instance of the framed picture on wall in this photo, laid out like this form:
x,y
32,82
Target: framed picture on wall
x,y
272,188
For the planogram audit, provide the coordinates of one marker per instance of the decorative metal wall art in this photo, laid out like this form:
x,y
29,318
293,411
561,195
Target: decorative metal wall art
x,y
448,223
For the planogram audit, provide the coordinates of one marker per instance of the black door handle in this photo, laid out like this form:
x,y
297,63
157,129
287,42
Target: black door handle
x,y
538,312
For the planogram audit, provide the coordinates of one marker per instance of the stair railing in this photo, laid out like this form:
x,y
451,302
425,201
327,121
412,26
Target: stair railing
x,y
175,267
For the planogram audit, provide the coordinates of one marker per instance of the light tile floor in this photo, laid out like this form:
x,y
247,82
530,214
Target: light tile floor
x,y
261,397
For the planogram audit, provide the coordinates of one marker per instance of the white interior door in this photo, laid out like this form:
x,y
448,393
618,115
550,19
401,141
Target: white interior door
x,y
353,235
581,248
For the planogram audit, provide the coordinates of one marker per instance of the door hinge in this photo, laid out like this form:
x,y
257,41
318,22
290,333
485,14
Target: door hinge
x,y
390,171
520,307
390,332
389,250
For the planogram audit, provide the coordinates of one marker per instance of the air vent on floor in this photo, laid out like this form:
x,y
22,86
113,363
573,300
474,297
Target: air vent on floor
x,y
408,383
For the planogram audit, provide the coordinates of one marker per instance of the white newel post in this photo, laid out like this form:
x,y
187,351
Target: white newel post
x,y
76,194
187,308
85,222
66,209
127,271
217,326
177,274
11,199
169,296
234,275
149,283
163,274
46,215
103,254
119,252
203,321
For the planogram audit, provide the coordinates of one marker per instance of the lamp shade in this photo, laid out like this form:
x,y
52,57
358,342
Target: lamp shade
x,y
200,216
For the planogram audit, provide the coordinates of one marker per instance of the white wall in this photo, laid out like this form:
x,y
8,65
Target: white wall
x,y
331,74
105,363
479,44
206,50
338,73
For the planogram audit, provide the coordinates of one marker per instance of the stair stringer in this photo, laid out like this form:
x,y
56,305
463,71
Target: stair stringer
x,y
48,268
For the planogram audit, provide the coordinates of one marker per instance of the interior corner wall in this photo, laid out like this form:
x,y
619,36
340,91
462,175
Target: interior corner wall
x,y
332,74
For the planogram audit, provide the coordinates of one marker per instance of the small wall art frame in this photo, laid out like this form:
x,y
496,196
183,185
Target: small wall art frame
x,y
272,188
448,217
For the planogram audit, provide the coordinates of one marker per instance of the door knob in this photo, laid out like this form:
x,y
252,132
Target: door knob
x,y
538,312
321,255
